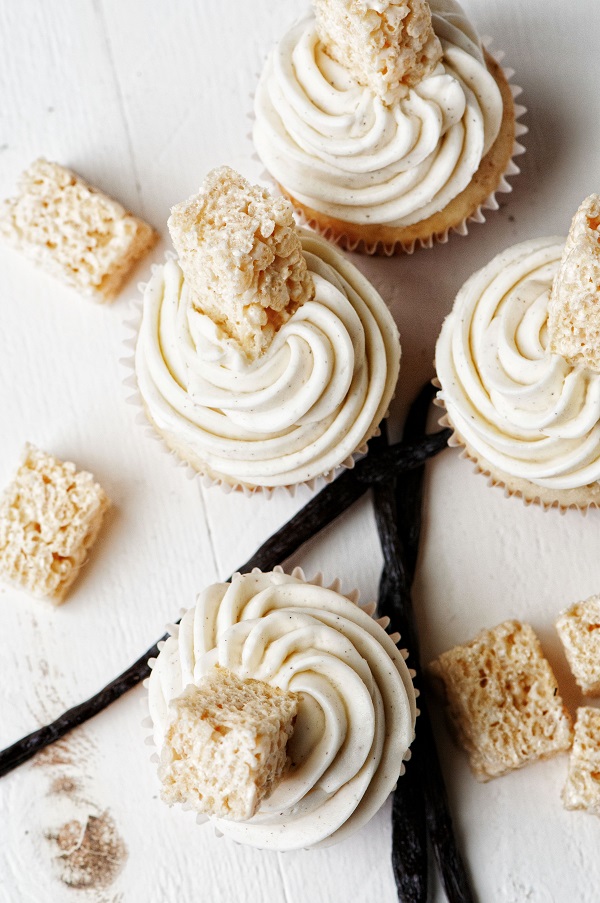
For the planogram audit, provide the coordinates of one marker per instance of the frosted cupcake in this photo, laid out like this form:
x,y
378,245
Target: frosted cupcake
x,y
386,123
282,711
264,358
518,361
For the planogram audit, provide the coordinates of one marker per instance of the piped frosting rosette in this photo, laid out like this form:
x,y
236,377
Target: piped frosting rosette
x,y
527,416
357,704
301,410
347,158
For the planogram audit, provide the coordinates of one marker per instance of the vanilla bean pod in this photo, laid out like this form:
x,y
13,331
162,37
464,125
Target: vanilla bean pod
x,y
325,507
398,515
409,505
409,828
409,825
409,508
393,459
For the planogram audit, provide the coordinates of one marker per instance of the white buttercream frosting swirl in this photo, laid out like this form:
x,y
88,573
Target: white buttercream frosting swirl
x,y
524,410
357,704
338,149
311,400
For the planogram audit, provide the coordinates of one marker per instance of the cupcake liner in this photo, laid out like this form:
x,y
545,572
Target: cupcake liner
x,y
385,248
317,580
207,478
529,493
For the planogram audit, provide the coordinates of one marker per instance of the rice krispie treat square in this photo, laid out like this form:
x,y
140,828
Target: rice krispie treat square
x,y
241,254
389,46
50,516
582,789
225,748
574,306
502,700
73,231
579,630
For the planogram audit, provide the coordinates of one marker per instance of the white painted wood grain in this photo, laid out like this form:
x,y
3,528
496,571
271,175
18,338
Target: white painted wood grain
x,y
143,98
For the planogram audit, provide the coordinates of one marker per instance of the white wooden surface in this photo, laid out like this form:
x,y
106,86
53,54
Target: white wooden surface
x,y
143,98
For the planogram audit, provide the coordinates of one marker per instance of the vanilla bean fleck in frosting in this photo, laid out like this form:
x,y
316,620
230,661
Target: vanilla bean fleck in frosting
x,y
357,704
300,410
525,410
337,148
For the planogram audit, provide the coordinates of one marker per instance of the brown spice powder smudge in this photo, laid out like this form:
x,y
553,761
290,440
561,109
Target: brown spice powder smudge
x,y
56,754
64,785
92,854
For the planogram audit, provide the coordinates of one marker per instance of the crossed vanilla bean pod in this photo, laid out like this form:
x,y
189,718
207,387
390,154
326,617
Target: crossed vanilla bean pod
x,y
409,828
325,507
420,803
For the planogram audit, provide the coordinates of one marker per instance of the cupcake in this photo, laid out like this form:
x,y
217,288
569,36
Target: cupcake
x,y
264,358
300,683
385,123
518,363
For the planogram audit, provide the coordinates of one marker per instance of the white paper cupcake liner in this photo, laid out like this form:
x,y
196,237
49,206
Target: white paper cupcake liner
x,y
510,491
390,249
131,326
318,580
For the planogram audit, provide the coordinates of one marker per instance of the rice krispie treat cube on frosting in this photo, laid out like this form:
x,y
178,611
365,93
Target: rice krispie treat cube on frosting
x,y
582,788
386,122
502,700
579,630
241,255
574,307
258,639
264,358
531,428
389,45
73,231
50,516
225,748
